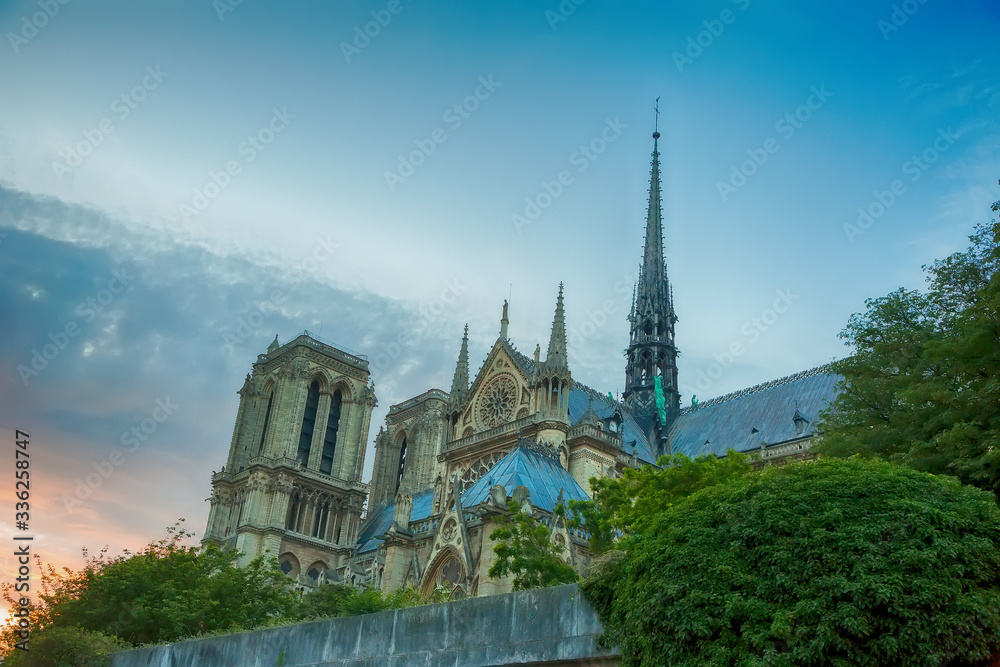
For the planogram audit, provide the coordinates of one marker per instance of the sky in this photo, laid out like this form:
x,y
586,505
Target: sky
x,y
182,181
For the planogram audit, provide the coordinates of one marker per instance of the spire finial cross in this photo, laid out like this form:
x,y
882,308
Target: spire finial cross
x,y
656,115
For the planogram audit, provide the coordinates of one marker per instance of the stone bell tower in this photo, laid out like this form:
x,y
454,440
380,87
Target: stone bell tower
x,y
292,483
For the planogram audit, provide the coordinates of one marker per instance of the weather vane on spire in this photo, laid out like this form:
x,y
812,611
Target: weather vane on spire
x,y
656,119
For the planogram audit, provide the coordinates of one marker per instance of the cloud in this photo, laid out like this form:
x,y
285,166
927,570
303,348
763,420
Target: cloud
x,y
117,318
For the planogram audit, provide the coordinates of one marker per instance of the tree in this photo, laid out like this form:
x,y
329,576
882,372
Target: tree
x,y
166,591
527,551
628,503
66,647
923,385
849,562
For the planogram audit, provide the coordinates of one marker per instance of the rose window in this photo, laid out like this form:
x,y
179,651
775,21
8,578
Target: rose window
x,y
452,572
498,402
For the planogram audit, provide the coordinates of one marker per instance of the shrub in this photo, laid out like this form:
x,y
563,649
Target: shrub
x,y
839,562
66,647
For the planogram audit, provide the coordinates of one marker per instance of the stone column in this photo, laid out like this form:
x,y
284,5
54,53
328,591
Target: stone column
x,y
212,513
234,449
345,431
291,407
275,440
398,555
319,430
331,519
282,491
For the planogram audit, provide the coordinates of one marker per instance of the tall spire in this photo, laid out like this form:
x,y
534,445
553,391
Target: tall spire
x,y
555,357
460,383
652,352
653,284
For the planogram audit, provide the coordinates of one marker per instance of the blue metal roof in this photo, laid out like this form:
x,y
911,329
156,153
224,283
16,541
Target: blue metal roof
x,y
748,419
379,524
632,435
543,476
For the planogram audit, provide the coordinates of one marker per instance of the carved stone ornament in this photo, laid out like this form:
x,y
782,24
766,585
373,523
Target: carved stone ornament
x,y
300,368
438,494
449,530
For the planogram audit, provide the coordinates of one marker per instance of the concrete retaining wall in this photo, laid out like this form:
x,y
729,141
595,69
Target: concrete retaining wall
x,y
548,626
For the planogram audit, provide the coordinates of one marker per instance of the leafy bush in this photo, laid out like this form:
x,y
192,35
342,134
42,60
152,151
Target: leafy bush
x,y
626,504
334,600
66,647
165,592
836,562
526,550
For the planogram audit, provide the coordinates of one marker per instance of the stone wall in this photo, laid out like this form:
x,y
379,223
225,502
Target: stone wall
x,y
544,626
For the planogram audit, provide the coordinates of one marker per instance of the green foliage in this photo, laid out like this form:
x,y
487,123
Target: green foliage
x,y
835,562
628,503
334,600
66,647
526,550
923,385
166,591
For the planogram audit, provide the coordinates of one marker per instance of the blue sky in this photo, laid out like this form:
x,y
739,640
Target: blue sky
x,y
273,164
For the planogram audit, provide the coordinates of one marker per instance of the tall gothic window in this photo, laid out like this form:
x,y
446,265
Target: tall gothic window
x,y
308,423
402,462
320,517
330,441
267,419
293,513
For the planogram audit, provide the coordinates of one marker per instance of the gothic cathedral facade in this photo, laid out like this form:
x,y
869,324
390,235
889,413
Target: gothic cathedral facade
x,y
447,463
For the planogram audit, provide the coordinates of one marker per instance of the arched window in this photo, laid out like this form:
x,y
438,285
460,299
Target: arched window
x,y
319,520
308,422
293,512
289,564
330,441
267,419
402,462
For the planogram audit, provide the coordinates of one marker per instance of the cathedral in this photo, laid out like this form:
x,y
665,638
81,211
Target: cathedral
x,y
448,462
